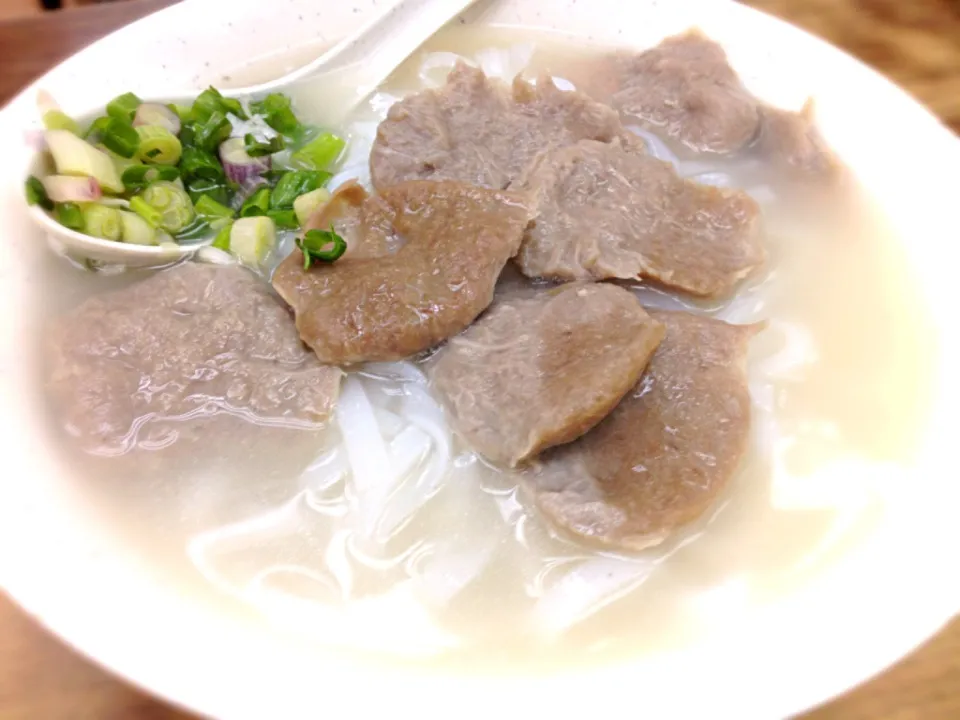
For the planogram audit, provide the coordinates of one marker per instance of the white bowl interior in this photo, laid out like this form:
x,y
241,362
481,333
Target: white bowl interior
x,y
885,596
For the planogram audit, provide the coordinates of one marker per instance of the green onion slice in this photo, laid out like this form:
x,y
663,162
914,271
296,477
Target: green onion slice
x,y
37,193
256,204
121,137
256,148
321,246
123,107
137,177
69,215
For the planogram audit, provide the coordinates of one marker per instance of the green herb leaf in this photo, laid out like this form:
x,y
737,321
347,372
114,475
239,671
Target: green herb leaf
x,y
256,204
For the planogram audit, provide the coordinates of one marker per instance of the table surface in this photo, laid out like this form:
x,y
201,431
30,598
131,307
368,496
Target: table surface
x,y
916,43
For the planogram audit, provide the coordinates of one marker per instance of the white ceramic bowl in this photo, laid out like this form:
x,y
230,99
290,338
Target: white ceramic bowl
x,y
887,595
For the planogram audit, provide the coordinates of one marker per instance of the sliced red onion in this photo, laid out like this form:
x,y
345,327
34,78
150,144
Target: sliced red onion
x,y
64,188
240,167
157,114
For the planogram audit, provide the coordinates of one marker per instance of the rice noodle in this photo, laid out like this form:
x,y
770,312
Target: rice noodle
x,y
586,588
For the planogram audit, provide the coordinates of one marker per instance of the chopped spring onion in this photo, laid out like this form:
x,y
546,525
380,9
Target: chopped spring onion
x,y
196,163
121,137
158,145
222,240
143,209
216,190
69,215
321,246
136,230
123,107
210,209
197,229
102,222
70,188
256,148
210,101
320,153
137,177
294,184
95,131
73,156
59,120
159,115
284,219
239,166
276,111
120,163
37,193
256,204
213,131
183,112
252,238
173,204
305,205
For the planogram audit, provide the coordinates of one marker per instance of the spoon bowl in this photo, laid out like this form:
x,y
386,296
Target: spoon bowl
x,y
326,90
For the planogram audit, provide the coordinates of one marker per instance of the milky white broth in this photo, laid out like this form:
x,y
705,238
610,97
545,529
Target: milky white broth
x,y
838,387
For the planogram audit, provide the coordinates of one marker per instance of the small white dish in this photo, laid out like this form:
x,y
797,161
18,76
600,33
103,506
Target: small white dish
x,y
883,598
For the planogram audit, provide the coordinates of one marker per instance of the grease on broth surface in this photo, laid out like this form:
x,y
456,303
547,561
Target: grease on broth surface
x,y
839,390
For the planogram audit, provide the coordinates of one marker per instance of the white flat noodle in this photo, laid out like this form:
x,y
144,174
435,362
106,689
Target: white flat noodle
x,y
356,164
586,588
468,531
655,146
215,256
505,63
397,371
326,471
409,448
716,179
372,473
419,408
763,194
437,65
798,350
390,423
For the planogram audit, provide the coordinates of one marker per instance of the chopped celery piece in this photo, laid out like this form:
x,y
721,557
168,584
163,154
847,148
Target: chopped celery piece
x,y
74,156
305,205
256,204
158,145
252,239
210,208
59,120
212,132
136,230
284,219
137,177
123,107
276,111
318,154
143,209
102,221
294,184
196,163
321,246
37,193
69,215
256,148
222,240
173,204
121,137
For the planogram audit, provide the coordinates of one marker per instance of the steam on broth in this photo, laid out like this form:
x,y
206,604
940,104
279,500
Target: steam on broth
x,y
384,531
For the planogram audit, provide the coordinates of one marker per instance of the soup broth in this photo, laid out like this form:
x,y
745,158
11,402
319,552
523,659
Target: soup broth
x,y
472,574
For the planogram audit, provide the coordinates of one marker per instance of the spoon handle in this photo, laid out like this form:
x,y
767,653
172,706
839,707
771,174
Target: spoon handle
x,y
327,89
